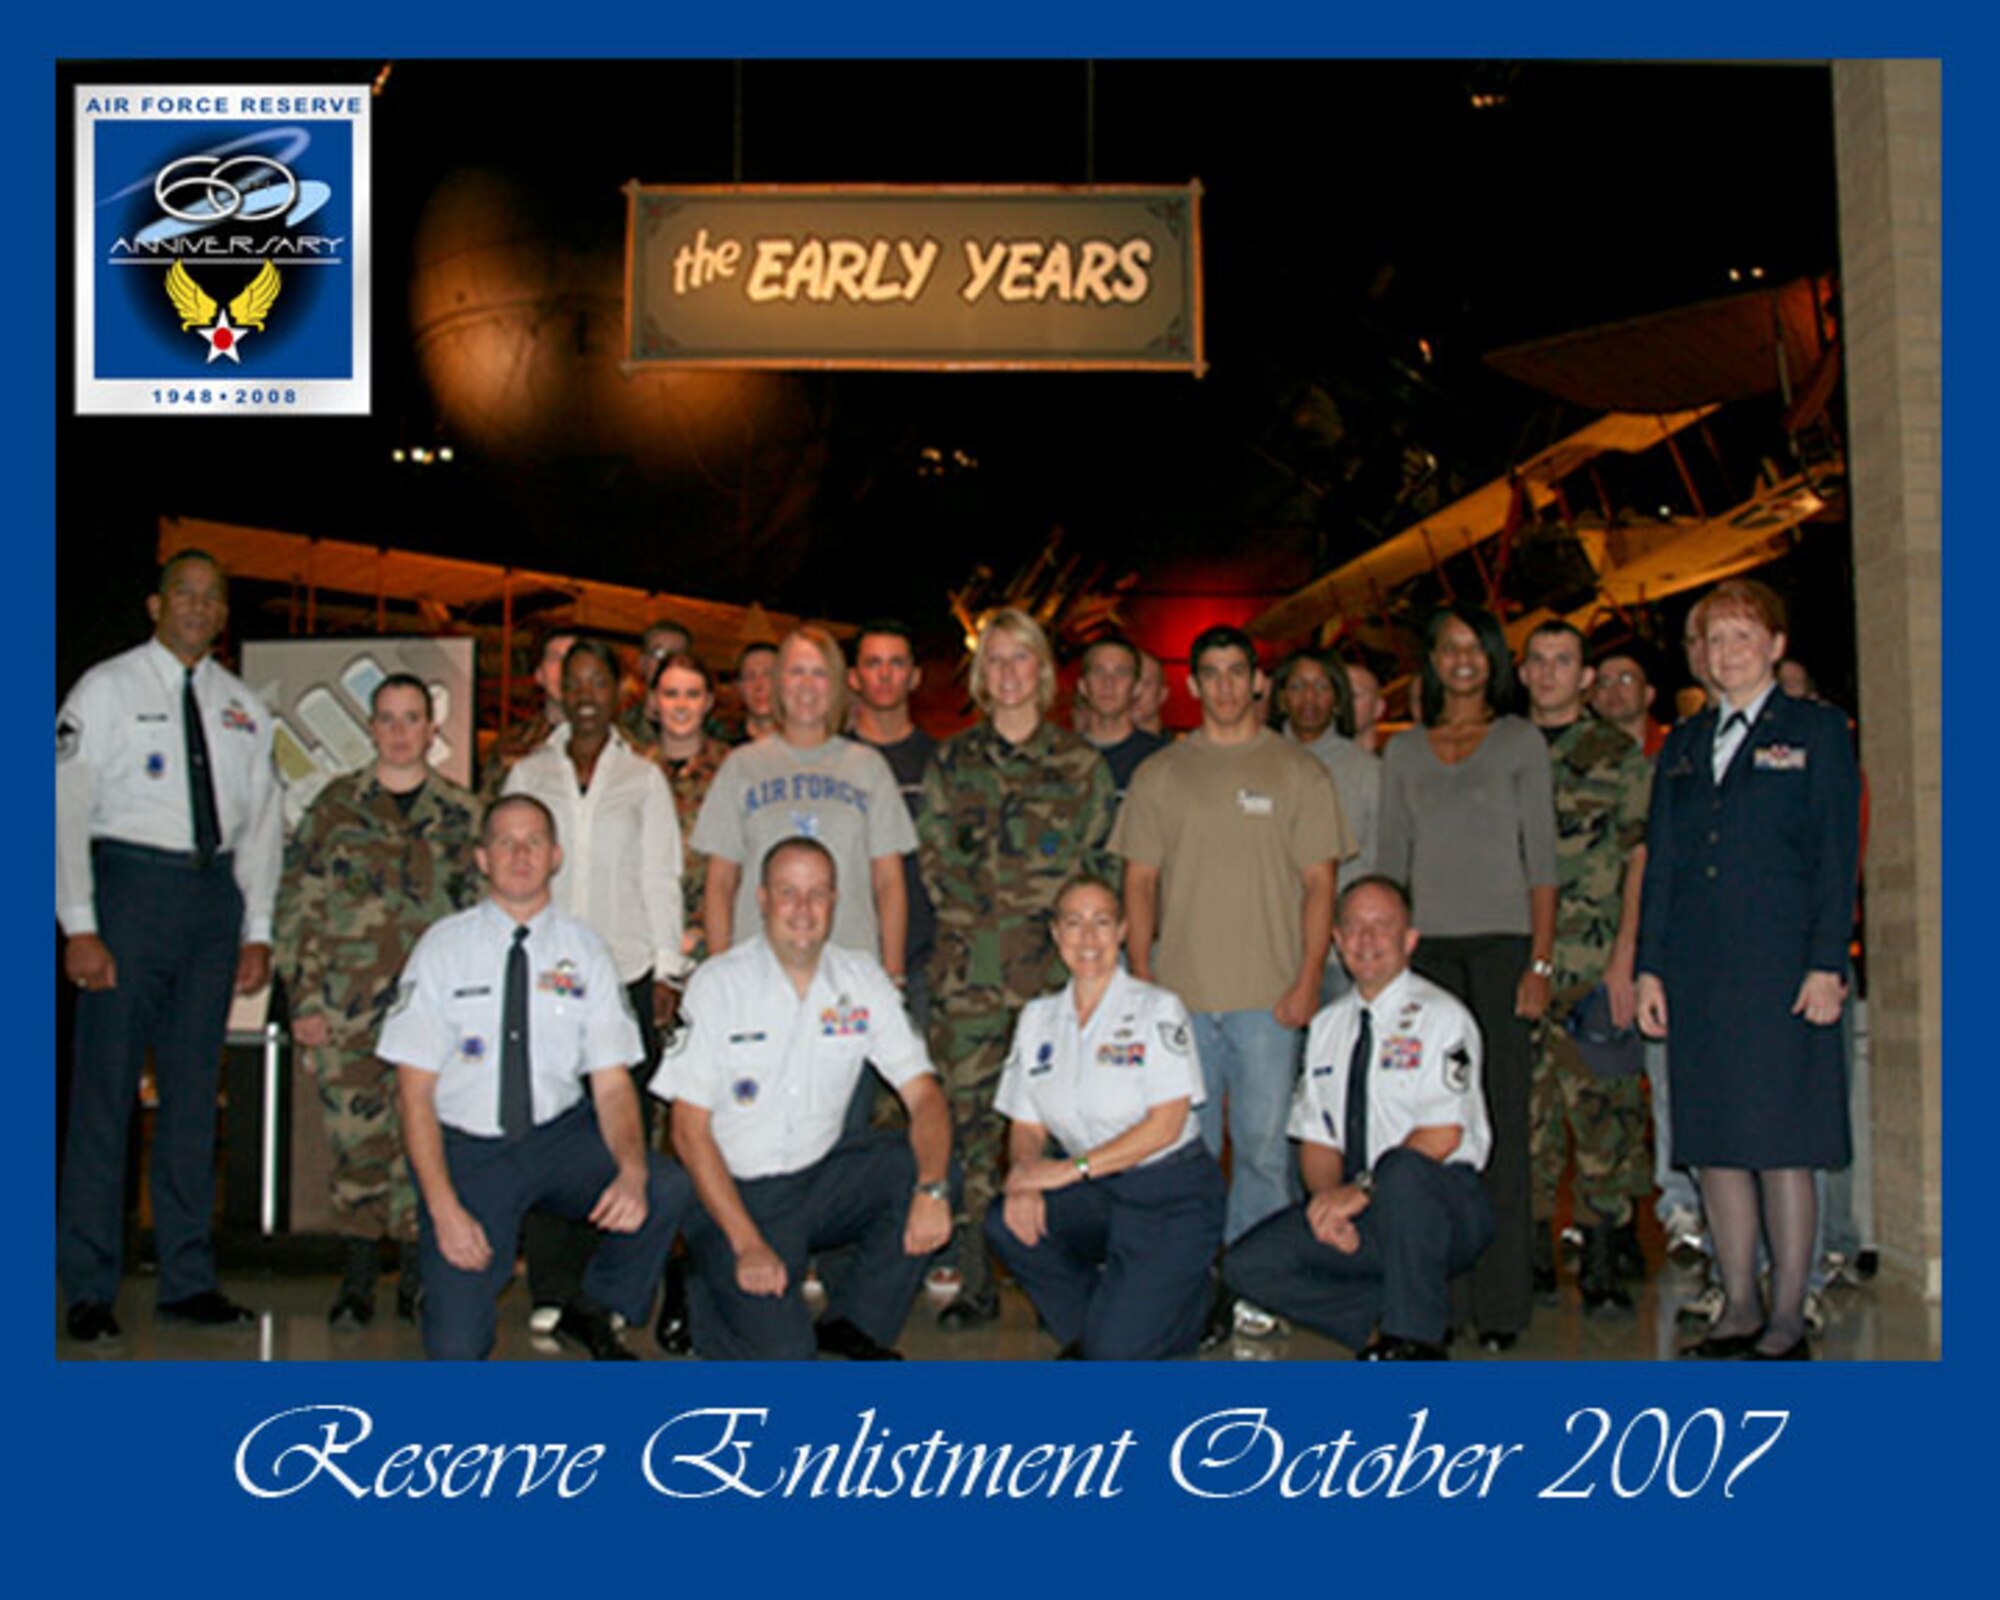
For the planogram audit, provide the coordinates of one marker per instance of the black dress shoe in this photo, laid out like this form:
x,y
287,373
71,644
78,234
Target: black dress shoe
x,y
351,1309
1073,1351
670,1330
1498,1344
1799,1350
1392,1347
591,1330
209,1309
91,1323
837,1336
969,1311
1723,1346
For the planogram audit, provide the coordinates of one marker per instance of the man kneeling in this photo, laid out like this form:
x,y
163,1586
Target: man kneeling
x,y
1391,1067
503,1014
778,1032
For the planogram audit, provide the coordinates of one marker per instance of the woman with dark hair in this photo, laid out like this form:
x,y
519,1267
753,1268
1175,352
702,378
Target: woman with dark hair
x,y
1751,853
1467,821
682,694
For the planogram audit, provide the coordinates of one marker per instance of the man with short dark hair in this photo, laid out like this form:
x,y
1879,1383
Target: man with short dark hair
x,y
1230,838
1622,694
757,690
1392,1132
1106,692
169,833
1587,1096
505,1016
779,1030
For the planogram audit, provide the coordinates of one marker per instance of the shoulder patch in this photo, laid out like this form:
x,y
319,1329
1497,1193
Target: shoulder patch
x,y
406,991
1174,1035
1458,1067
678,1040
69,735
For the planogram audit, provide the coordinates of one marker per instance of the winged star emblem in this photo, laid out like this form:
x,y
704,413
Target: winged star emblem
x,y
223,330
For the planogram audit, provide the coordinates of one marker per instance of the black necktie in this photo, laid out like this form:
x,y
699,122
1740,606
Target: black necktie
x,y
517,1114
201,788
1356,1125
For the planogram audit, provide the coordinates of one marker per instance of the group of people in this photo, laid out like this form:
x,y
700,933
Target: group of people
x,y
687,1022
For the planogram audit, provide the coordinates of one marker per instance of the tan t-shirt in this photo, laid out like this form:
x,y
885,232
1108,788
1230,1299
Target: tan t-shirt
x,y
1231,828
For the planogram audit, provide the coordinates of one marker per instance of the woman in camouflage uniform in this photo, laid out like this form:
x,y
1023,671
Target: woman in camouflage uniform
x,y
1013,808
379,856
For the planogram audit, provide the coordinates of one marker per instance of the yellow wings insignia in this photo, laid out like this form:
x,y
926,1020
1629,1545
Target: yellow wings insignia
x,y
197,308
249,308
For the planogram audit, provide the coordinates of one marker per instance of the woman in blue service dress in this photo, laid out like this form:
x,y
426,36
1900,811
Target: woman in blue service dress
x,y
1114,1237
1751,857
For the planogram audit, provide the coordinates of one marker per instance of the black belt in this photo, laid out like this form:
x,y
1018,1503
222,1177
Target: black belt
x,y
186,860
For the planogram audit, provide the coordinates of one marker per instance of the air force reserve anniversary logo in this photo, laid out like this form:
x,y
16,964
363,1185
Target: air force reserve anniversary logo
x,y
222,260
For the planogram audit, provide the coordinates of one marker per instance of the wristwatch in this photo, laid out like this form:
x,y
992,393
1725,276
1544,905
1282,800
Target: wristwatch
x,y
936,1189
1542,967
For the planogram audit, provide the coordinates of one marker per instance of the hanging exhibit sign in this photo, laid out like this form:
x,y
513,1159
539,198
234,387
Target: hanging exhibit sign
x,y
928,278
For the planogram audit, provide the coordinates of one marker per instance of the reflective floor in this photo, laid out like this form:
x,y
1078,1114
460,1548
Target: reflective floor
x,y
1885,1319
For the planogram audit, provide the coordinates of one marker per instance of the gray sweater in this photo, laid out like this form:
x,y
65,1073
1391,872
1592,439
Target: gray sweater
x,y
1469,840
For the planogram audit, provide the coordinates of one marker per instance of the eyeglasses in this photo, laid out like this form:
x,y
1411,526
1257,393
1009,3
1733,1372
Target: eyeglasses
x,y
1624,680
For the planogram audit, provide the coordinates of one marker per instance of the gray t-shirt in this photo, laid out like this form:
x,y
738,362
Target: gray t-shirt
x,y
1357,779
840,793
1469,840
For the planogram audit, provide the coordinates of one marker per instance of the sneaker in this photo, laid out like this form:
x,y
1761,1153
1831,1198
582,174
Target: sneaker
x,y
1703,1307
543,1319
1254,1322
1682,1229
209,1309
92,1323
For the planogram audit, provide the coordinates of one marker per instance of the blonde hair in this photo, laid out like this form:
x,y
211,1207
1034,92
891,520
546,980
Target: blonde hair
x,y
836,672
1023,629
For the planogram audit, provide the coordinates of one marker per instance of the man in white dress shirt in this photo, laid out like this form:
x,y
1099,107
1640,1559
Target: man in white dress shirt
x,y
505,1014
778,1031
169,838
1392,1133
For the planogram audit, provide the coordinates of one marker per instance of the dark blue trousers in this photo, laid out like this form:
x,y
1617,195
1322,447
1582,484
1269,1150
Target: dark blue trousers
x,y
174,930
858,1194
562,1166
1123,1269
1426,1222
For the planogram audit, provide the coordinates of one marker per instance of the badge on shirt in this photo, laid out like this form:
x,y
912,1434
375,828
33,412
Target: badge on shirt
x,y
1458,1067
563,979
843,1019
1252,804
235,716
1401,1053
805,824
1045,1056
743,1091
1780,758
472,1047
69,735
1121,1055
1174,1036
156,764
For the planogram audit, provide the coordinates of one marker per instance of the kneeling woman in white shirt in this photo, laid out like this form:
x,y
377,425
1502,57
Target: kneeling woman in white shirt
x,y
1113,1237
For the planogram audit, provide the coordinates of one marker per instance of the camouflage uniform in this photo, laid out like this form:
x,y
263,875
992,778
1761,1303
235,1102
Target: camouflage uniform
x,y
1602,784
690,780
361,882
1003,828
